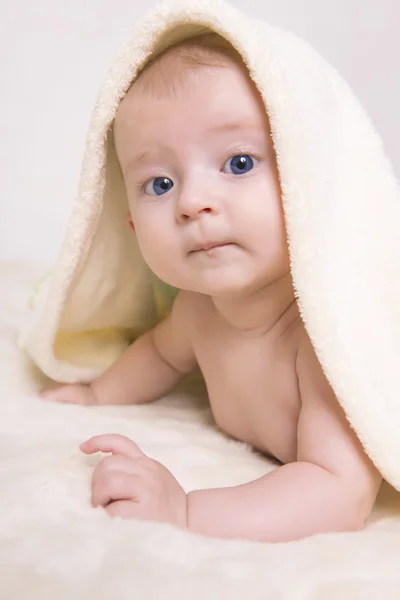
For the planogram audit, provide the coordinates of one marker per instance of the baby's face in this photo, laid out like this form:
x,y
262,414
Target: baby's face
x,y
200,169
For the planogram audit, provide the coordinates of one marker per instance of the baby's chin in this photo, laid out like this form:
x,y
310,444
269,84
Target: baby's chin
x,y
221,285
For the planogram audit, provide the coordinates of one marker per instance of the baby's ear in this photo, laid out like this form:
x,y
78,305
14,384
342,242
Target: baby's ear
x,y
130,222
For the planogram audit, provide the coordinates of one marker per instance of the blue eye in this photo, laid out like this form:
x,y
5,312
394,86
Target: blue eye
x,y
241,163
158,186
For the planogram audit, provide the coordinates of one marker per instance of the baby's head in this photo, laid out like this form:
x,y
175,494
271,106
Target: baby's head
x,y
193,141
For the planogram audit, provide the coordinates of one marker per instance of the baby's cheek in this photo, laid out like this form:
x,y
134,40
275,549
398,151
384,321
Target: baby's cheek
x,y
148,248
156,250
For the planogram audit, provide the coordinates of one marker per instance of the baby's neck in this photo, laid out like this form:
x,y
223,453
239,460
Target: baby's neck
x,y
258,313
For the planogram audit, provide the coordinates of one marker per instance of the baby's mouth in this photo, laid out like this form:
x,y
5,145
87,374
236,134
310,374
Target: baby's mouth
x,y
205,247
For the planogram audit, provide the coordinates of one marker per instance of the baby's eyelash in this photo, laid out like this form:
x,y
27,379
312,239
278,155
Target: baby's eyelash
x,y
141,184
241,152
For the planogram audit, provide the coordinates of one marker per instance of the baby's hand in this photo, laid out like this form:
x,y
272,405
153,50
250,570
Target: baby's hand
x,y
130,484
71,394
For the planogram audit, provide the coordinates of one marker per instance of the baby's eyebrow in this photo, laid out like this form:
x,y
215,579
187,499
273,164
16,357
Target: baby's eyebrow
x,y
140,158
136,160
233,126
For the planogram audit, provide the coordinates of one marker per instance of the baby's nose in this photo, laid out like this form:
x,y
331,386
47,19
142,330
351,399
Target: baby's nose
x,y
194,206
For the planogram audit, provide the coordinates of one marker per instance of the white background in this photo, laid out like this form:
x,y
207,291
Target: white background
x,y
54,54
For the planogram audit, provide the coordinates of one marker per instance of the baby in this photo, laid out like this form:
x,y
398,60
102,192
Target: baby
x,y
194,145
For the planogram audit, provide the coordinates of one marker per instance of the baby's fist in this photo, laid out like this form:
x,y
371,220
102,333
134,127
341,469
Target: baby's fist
x,y
130,484
71,394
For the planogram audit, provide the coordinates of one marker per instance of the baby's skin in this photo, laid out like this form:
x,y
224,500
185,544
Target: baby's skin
x,y
205,203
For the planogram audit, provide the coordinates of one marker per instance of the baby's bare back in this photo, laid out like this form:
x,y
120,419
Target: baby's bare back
x,y
251,380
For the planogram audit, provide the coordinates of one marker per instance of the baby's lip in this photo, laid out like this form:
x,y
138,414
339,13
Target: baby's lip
x,y
207,246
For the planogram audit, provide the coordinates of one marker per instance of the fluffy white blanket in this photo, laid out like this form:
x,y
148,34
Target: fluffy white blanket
x,y
53,544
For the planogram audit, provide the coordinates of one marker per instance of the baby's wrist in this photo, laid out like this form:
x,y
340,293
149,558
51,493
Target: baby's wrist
x,y
95,399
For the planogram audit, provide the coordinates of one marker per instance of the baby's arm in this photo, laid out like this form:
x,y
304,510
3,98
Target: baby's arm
x,y
150,368
331,487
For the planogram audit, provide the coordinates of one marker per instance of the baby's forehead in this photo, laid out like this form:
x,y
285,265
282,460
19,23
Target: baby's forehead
x,y
222,91
168,73
169,84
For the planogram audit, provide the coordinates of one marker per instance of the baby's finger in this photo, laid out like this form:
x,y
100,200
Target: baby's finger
x,y
113,463
57,394
116,486
112,442
125,509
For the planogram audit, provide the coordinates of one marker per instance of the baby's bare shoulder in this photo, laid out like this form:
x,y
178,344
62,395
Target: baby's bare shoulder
x,y
172,336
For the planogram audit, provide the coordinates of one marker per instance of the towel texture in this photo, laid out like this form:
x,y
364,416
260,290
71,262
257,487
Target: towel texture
x,y
342,211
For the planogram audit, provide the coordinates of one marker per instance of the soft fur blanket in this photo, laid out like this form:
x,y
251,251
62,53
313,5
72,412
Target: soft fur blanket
x,y
53,544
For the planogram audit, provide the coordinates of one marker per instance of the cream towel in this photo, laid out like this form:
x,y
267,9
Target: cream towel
x,y
342,210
